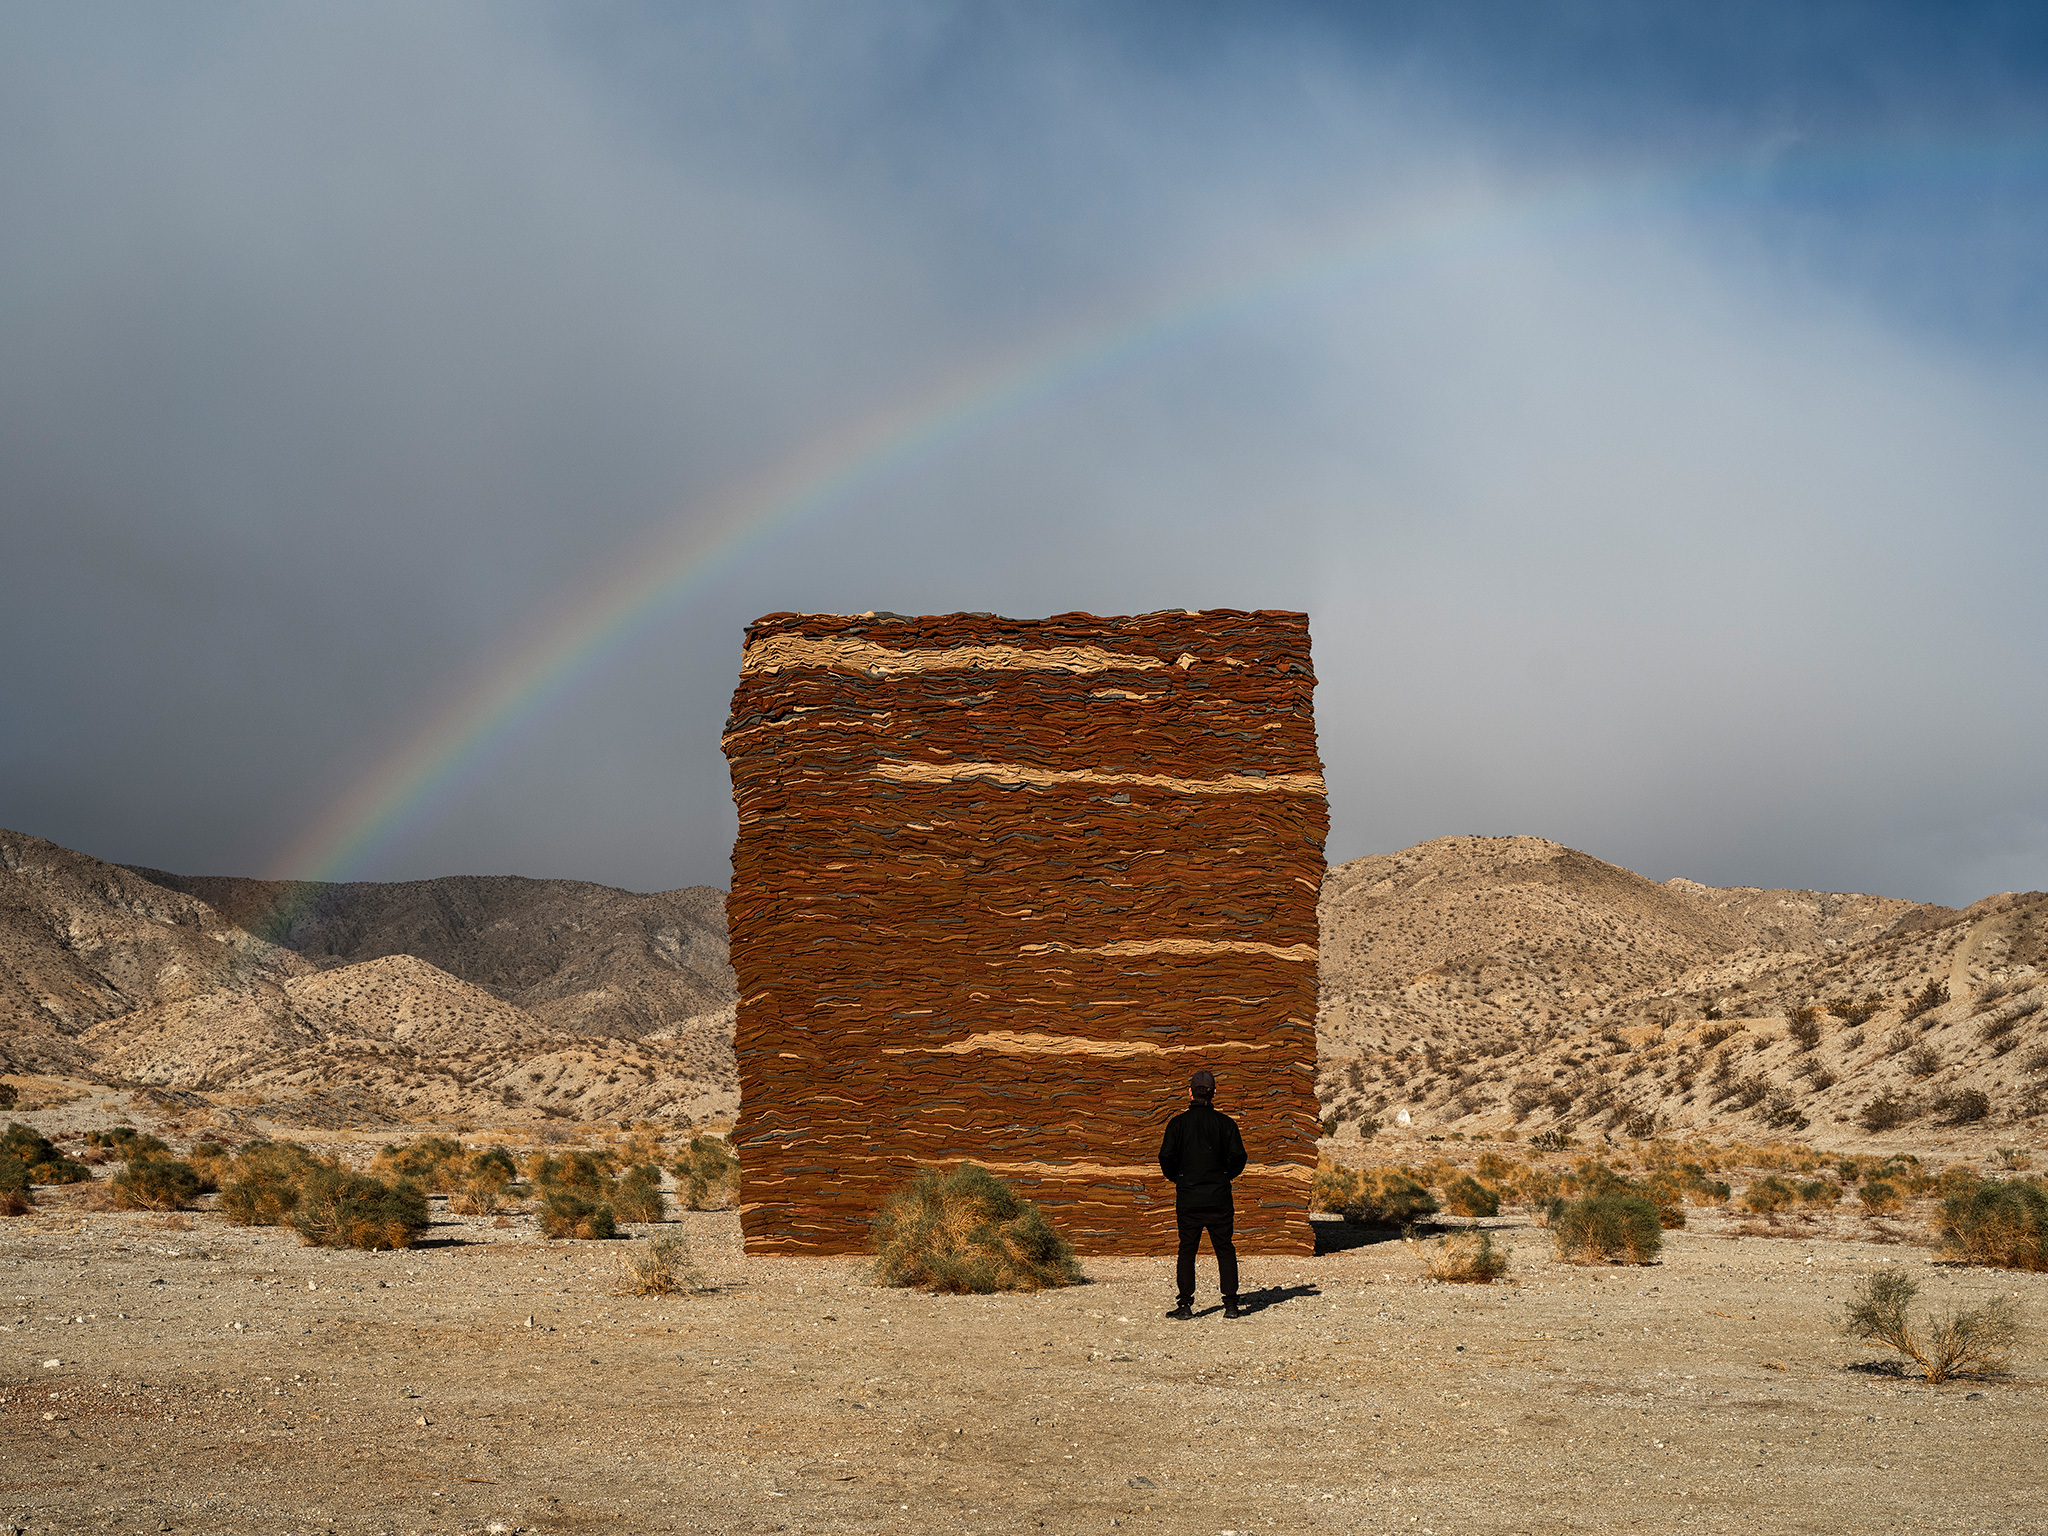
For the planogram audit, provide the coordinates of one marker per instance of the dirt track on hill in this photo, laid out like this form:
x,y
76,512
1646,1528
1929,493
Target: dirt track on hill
x,y
228,1380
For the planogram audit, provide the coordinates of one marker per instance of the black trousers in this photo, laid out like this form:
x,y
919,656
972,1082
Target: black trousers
x,y
1219,1225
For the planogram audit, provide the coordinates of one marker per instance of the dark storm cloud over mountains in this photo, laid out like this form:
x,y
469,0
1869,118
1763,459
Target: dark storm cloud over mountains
x,y
1660,468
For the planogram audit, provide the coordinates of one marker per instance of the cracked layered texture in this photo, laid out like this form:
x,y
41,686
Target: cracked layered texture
x,y
1000,887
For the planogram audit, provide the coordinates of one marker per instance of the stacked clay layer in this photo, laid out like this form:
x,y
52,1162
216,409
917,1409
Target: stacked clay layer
x,y
1000,887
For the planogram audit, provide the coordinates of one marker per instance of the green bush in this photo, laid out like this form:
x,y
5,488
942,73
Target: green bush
x,y
155,1184
564,1213
1466,1196
8,1097
1879,1196
967,1232
16,1198
39,1157
1819,1192
2000,1222
436,1164
1768,1194
637,1196
264,1187
126,1142
338,1208
708,1173
1603,1228
585,1173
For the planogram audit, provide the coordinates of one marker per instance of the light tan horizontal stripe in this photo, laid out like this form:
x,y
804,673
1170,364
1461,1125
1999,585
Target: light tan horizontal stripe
x,y
1019,773
1178,947
1018,1043
838,655
1116,1170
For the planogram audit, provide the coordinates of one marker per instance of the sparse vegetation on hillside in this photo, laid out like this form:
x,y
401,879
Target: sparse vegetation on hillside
x,y
968,1232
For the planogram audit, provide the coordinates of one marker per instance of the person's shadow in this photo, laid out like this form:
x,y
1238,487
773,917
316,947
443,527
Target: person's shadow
x,y
1272,1296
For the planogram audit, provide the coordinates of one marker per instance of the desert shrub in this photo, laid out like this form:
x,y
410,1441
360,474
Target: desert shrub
x,y
1923,1060
1782,1114
1855,1013
637,1195
1767,1194
1961,1106
1819,1192
16,1198
1557,1139
2013,1159
8,1099
437,1164
339,1208
1496,1169
1465,1258
1885,1112
154,1184
564,1213
39,1158
1929,997
1898,1040
1603,1228
1977,1341
968,1232
2001,1222
1466,1196
265,1187
1366,1196
125,1141
1805,1027
1705,1191
1998,1028
488,1186
586,1173
707,1174
1713,1037
1879,1196
1748,1092
661,1267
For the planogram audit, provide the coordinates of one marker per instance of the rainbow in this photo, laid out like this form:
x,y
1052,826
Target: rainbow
x,y
654,578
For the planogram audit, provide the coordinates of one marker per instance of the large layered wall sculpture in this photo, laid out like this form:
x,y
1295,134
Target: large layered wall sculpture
x,y
1000,887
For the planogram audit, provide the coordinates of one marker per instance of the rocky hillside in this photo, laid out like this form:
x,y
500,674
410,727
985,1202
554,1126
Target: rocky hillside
x,y
581,957
1489,983
590,1002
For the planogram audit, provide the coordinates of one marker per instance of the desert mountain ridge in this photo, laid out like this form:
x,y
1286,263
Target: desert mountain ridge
x,y
1482,984
461,998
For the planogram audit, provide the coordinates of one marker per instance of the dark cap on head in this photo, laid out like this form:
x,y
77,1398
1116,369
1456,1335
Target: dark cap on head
x,y
1203,1084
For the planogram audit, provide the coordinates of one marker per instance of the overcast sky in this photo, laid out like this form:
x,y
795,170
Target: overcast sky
x,y
1645,402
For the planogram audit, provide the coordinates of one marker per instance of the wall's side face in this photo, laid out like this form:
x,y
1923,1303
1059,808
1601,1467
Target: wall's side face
x,y
1000,886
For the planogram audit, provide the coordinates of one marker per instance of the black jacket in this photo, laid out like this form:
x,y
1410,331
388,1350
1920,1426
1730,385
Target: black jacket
x,y
1201,1153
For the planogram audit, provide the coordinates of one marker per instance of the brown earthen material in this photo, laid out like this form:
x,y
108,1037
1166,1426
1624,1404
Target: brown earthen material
x,y
1000,887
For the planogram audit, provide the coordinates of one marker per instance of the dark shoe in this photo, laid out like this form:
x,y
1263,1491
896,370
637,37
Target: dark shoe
x,y
1230,1309
1181,1313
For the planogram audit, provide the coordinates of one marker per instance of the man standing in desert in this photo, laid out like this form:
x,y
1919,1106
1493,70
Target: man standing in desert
x,y
1200,1154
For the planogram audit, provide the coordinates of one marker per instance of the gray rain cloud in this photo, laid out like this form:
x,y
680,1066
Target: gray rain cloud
x,y
340,348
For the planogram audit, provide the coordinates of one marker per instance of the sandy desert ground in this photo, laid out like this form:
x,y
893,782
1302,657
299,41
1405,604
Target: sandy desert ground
x,y
223,1379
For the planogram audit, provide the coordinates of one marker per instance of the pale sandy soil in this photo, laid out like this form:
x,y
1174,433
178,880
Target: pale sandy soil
x,y
228,1380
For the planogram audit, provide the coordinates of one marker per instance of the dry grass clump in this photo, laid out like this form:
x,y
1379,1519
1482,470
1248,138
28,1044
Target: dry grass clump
x,y
1369,1196
2000,1222
339,1208
637,1195
124,1141
1606,1228
1464,1258
437,1164
661,1267
967,1232
1979,1341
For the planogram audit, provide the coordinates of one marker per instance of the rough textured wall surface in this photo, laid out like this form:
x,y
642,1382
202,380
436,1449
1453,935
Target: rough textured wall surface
x,y
1000,886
